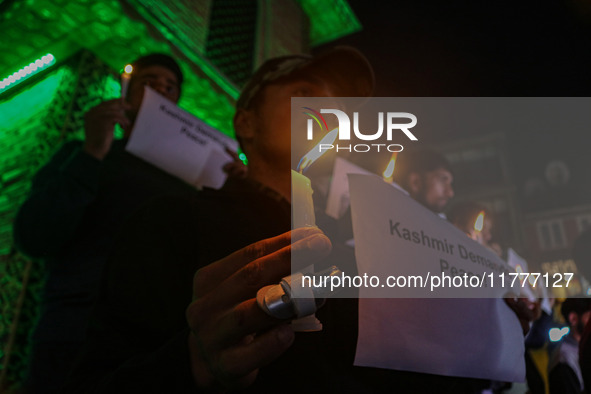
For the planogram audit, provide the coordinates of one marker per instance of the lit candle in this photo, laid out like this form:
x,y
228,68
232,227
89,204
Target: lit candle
x,y
303,213
125,77
301,201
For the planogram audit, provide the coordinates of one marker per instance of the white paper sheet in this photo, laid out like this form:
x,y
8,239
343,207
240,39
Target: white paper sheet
x,y
520,265
515,260
338,196
397,236
478,338
179,143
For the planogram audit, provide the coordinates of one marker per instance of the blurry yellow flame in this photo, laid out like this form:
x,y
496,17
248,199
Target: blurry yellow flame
x,y
532,280
128,69
389,171
479,221
315,152
518,269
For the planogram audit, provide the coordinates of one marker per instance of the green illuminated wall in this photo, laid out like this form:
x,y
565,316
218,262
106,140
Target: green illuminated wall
x,y
116,33
329,20
37,118
20,156
91,40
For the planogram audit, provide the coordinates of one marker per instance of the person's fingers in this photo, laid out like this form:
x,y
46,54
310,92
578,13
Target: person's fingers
x,y
231,336
309,245
108,117
122,120
210,276
233,154
270,268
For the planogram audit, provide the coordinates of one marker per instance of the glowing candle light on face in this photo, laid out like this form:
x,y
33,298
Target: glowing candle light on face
x,y
388,173
125,77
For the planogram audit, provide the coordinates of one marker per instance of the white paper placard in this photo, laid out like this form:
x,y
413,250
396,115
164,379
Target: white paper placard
x,y
338,196
473,338
400,237
515,260
179,143
520,265
479,338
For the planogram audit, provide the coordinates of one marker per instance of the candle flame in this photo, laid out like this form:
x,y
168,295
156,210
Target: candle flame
x,y
532,281
389,171
479,221
128,69
315,152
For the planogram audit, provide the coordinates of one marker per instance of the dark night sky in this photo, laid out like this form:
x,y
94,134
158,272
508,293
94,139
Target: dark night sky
x,y
518,48
476,48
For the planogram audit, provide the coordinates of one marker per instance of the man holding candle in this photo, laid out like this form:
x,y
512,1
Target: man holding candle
x,y
76,204
153,334
147,324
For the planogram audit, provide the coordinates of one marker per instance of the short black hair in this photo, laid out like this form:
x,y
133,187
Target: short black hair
x,y
577,305
159,59
420,161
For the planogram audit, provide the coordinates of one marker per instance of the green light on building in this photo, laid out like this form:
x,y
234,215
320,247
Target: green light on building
x,y
35,99
329,20
26,72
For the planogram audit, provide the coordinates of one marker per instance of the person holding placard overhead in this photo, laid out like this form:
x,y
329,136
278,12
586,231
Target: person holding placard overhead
x,y
76,204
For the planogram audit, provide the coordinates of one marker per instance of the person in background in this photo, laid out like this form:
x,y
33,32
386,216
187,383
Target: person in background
x,y
582,257
427,176
564,371
178,301
464,216
76,204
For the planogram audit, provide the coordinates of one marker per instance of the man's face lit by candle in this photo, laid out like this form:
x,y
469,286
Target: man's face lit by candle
x,y
433,189
159,78
268,124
